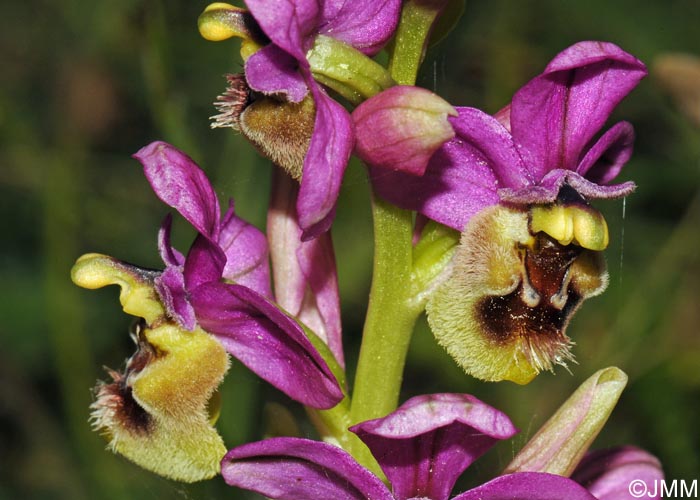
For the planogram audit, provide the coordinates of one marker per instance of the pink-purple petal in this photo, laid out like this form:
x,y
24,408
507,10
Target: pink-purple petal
x,y
300,469
324,165
604,160
429,441
245,247
528,486
179,182
170,256
317,262
367,25
607,474
273,71
492,145
288,23
204,263
271,344
170,286
457,184
557,113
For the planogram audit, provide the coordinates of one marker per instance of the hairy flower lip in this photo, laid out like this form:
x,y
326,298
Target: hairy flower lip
x,y
504,310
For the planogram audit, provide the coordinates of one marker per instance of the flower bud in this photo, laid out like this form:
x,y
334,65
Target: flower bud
x,y
158,412
503,311
401,128
563,440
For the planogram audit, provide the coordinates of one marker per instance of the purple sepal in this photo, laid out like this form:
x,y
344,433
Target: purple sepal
x,y
487,142
300,469
324,165
267,341
528,486
367,25
557,114
273,71
429,441
608,474
289,24
306,280
447,193
245,247
179,182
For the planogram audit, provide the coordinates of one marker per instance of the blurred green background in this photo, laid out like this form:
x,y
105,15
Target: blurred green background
x,y
85,85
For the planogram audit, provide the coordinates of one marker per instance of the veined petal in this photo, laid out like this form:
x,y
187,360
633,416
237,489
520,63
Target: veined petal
x,y
273,71
324,165
607,474
427,443
556,114
365,24
489,141
604,160
246,252
287,23
453,188
528,486
180,183
300,469
267,341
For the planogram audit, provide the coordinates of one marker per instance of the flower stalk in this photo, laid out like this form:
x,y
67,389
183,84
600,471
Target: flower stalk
x,y
391,314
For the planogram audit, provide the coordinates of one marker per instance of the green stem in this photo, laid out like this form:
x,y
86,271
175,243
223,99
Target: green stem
x,y
411,39
391,312
389,323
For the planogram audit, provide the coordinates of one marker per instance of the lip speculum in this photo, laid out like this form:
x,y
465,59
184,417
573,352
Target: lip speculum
x,y
518,276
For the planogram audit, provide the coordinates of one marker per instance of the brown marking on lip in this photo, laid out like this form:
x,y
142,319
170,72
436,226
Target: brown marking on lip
x,y
545,269
115,403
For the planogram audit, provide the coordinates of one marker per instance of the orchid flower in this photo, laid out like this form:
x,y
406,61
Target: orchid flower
x,y
422,448
541,141
214,301
296,43
516,184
